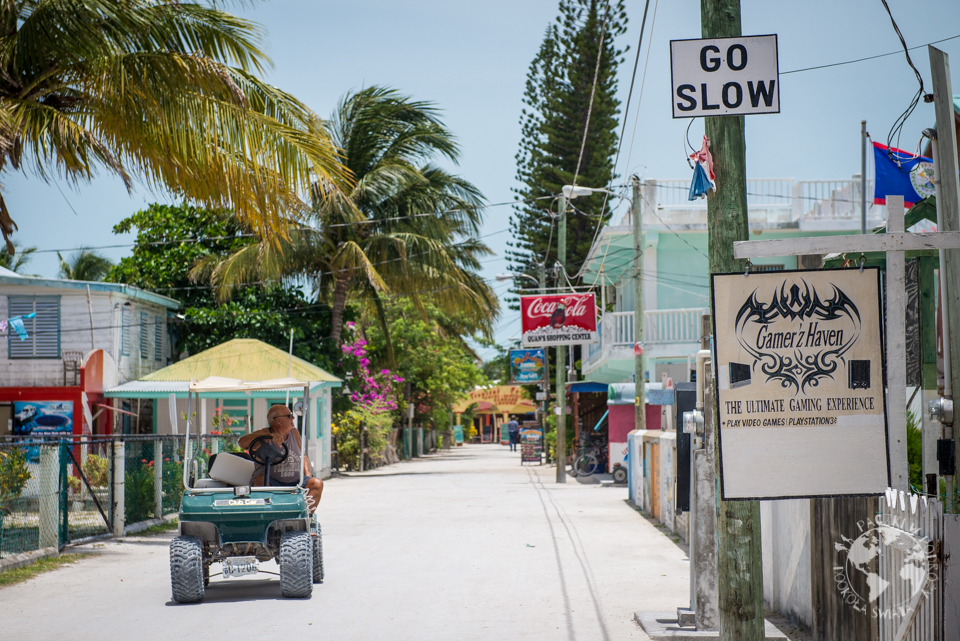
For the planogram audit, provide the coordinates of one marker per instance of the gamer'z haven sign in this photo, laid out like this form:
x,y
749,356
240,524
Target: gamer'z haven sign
x,y
800,384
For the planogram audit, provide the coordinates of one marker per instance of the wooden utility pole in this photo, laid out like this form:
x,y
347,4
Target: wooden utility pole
x,y
740,568
639,406
949,212
562,350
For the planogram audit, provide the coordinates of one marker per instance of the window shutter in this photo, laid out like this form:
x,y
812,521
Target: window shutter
x,y
125,322
43,330
158,338
144,341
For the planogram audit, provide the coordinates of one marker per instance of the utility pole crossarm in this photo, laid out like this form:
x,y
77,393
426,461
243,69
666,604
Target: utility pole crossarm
x,y
889,241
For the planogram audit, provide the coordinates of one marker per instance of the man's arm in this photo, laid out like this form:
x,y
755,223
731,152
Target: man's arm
x,y
247,439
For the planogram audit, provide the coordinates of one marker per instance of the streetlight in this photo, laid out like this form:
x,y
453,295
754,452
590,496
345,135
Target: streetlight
x,y
512,275
573,191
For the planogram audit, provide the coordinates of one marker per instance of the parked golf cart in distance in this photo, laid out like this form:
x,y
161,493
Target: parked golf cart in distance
x,y
224,520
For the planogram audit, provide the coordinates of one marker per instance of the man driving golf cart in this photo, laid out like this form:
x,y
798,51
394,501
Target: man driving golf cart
x,y
238,516
282,431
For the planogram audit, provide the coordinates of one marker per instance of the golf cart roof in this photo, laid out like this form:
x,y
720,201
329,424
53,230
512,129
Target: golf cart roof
x,y
222,384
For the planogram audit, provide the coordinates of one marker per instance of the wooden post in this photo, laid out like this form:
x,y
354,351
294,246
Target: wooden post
x,y
896,353
639,401
949,210
738,525
562,351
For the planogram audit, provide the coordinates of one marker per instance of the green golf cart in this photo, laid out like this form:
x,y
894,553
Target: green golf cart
x,y
224,520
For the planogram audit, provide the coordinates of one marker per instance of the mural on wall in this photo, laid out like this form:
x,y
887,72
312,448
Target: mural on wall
x,y
37,418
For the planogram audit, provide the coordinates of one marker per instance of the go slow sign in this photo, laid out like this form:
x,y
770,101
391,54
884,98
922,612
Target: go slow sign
x,y
725,76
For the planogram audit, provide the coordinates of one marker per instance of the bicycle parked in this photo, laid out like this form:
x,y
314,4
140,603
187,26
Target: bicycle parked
x,y
591,457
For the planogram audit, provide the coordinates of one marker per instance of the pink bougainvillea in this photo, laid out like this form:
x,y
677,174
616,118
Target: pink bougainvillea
x,y
373,391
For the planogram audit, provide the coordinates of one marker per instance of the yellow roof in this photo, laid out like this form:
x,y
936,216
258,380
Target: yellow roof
x,y
245,358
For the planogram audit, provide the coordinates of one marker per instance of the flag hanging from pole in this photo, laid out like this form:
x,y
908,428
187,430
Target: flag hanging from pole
x,y
912,179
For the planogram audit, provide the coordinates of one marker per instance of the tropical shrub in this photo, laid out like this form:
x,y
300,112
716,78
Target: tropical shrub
x,y
14,475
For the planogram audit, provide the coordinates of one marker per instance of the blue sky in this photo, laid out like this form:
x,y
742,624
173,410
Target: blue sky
x,y
471,60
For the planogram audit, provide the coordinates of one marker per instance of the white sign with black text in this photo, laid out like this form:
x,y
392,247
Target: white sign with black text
x,y
800,381
725,76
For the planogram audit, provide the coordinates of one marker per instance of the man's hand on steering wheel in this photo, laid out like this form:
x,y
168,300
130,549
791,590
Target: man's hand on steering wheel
x,y
264,450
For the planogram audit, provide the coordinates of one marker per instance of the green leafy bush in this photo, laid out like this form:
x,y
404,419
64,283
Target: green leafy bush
x,y
138,494
14,475
97,470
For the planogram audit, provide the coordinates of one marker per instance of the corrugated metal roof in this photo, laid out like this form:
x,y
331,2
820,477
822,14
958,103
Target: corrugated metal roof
x,y
118,288
245,358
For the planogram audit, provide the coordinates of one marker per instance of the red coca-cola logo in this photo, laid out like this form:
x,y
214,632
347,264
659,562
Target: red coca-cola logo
x,y
540,308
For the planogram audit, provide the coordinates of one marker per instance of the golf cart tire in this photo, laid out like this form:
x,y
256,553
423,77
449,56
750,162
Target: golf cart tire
x,y
296,565
318,556
619,475
186,569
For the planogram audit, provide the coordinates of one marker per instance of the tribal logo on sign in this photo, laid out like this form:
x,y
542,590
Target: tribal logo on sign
x,y
796,338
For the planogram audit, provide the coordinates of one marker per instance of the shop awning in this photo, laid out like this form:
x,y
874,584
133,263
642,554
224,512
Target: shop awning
x,y
587,386
624,394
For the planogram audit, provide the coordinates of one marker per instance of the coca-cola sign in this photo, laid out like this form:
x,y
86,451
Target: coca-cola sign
x,y
560,319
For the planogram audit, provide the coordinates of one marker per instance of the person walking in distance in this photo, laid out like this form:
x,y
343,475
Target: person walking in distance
x,y
513,430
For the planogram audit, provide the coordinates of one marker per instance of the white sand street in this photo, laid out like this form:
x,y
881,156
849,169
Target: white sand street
x,y
465,544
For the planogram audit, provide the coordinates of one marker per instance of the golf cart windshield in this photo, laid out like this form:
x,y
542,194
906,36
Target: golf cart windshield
x,y
211,387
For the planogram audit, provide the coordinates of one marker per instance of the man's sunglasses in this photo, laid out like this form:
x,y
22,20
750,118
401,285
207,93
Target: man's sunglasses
x,y
285,416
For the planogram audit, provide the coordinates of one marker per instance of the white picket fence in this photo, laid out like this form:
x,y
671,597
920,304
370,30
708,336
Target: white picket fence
x,y
910,522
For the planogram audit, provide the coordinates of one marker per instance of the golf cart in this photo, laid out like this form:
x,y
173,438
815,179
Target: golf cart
x,y
225,520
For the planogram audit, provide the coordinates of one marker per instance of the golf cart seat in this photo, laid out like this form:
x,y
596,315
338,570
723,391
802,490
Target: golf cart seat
x,y
232,469
208,483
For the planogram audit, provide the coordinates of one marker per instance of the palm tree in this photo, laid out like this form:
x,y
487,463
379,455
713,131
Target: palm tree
x,y
406,228
18,259
161,90
84,264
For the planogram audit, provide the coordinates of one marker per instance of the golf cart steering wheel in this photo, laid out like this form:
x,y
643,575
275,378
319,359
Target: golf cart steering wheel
x,y
271,457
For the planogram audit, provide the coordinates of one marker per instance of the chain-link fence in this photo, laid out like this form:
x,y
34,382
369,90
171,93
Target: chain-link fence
x,y
54,492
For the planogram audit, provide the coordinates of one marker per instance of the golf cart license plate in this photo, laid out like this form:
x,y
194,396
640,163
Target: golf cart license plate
x,y
226,502
240,566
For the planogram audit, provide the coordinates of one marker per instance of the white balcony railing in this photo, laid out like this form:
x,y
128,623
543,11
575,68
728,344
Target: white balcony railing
x,y
663,326
776,199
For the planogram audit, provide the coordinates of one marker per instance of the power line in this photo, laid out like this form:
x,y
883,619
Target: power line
x,y
882,55
233,236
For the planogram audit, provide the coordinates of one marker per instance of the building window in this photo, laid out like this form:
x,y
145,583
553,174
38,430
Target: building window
x,y
126,323
157,338
766,268
144,342
43,330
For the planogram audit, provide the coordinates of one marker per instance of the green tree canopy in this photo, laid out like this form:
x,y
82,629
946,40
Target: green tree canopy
x,y
438,367
17,261
406,229
84,264
166,91
556,102
171,239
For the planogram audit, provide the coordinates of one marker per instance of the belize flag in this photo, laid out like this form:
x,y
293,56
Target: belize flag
x,y
913,179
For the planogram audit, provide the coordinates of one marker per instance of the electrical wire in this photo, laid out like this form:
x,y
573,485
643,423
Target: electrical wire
x,y
882,55
901,120
593,91
626,112
230,237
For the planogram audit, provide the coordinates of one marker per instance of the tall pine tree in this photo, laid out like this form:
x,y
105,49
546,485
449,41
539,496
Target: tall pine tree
x,y
556,102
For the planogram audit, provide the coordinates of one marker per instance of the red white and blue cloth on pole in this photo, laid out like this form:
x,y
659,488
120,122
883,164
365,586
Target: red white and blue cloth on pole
x,y
703,178
900,173
16,324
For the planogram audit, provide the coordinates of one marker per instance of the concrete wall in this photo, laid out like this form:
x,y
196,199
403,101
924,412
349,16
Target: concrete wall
x,y
785,541
75,336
